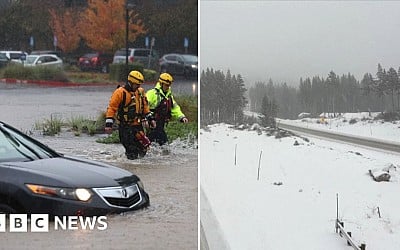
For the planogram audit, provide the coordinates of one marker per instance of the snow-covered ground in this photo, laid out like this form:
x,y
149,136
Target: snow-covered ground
x,y
268,193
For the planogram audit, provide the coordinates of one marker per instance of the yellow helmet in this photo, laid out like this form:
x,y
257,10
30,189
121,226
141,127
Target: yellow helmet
x,y
135,77
166,78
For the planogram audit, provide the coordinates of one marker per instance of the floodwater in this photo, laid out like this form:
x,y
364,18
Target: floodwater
x,y
170,176
24,104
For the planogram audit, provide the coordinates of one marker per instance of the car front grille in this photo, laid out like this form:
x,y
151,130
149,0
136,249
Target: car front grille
x,y
122,196
124,202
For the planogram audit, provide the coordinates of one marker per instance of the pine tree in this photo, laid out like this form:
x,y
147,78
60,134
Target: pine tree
x,y
392,84
305,94
332,83
269,111
380,84
224,101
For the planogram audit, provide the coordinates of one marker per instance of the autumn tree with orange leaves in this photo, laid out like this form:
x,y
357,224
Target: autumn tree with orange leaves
x,y
65,26
102,25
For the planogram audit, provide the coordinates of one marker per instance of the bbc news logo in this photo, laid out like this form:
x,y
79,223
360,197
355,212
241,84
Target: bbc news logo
x,y
20,223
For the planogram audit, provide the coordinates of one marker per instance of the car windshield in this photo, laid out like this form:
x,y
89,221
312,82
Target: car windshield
x,y
16,146
90,55
3,57
15,55
30,59
142,52
121,52
190,58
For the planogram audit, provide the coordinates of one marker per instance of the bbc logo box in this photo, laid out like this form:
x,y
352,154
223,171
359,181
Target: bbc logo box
x,y
20,223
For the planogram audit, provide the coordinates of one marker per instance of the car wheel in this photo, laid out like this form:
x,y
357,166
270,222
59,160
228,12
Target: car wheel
x,y
6,209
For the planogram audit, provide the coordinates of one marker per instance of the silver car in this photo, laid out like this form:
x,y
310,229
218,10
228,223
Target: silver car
x,y
43,60
147,57
14,55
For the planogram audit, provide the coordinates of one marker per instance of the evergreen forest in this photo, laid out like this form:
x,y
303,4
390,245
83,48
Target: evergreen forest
x,y
224,96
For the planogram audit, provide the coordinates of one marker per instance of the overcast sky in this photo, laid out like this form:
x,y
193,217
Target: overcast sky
x,y
286,40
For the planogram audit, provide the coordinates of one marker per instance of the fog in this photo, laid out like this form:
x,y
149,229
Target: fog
x,y
288,40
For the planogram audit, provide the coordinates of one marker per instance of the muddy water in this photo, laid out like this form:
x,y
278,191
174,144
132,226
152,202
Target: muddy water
x,y
169,175
22,105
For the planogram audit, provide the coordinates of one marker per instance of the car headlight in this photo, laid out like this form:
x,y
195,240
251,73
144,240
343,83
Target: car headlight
x,y
80,194
194,66
83,194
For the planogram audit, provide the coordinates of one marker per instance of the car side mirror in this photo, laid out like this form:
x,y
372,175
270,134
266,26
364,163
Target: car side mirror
x,y
39,62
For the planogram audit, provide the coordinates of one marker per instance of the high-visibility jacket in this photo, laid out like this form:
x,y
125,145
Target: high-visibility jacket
x,y
128,107
163,104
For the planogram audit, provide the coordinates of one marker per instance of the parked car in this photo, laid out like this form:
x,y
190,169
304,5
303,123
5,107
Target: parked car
x,y
95,61
147,57
43,60
179,64
15,56
41,52
4,61
37,179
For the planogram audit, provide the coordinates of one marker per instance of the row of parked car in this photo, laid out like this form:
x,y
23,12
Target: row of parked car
x,y
177,64
36,58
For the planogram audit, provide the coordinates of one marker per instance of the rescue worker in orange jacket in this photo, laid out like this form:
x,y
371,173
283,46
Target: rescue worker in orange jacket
x,y
162,103
129,107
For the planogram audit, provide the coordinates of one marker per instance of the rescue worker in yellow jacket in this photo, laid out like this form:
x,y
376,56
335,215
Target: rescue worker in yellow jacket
x,y
164,107
129,107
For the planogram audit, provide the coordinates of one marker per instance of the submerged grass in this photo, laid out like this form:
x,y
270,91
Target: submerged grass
x,y
50,126
80,124
174,129
77,124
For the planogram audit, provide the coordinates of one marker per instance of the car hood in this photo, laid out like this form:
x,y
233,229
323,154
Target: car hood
x,y
74,172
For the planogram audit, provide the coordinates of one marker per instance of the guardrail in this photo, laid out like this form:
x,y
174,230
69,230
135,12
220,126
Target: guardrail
x,y
364,141
339,225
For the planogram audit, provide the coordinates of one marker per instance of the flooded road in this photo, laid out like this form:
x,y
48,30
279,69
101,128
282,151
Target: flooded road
x,y
171,179
24,104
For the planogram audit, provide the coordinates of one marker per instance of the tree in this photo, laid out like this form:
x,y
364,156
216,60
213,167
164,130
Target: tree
x,y
305,94
169,22
332,83
392,84
398,91
380,85
224,101
238,100
21,20
256,94
65,28
269,111
103,25
367,84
